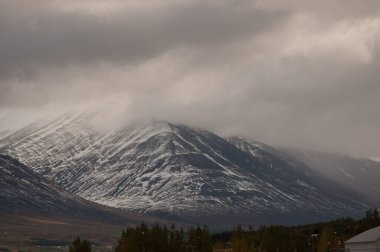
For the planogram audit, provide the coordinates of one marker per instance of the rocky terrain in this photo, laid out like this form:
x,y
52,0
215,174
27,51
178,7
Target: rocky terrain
x,y
179,172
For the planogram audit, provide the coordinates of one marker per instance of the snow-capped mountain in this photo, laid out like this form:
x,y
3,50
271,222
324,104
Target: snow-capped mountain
x,y
173,170
359,174
24,192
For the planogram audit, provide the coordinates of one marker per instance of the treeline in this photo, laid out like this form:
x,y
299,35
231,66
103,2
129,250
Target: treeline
x,y
163,239
321,237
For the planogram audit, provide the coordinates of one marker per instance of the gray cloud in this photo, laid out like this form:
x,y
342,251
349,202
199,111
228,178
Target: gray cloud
x,y
47,36
284,72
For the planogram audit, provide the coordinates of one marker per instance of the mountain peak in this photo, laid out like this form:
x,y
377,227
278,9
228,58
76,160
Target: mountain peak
x,y
158,167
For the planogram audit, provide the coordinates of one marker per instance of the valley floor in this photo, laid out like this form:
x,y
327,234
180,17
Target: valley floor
x,y
36,233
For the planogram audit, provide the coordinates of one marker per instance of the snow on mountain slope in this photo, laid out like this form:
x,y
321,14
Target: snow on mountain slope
x,y
166,169
24,192
359,174
22,188
327,175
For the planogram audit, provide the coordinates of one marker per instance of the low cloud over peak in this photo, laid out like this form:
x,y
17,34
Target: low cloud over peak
x,y
283,72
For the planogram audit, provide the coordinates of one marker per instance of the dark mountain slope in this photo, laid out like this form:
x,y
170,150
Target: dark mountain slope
x,y
358,174
25,193
176,171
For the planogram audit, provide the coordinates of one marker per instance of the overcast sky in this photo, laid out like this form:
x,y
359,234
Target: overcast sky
x,y
294,73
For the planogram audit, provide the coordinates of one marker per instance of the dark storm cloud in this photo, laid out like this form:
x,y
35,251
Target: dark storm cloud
x,y
287,72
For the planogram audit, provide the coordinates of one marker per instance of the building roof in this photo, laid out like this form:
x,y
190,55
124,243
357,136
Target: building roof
x,y
371,235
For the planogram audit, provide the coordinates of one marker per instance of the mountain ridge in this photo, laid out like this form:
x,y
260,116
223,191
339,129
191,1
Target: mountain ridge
x,y
25,193
173,170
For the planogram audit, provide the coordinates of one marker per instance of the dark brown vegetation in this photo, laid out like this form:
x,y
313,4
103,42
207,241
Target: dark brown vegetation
x,y
30,232
163,239
321,237
79,245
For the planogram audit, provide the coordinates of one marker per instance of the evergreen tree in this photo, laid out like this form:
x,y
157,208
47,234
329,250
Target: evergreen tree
x,y
200,240
79,245
155,239
376,218
206,244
